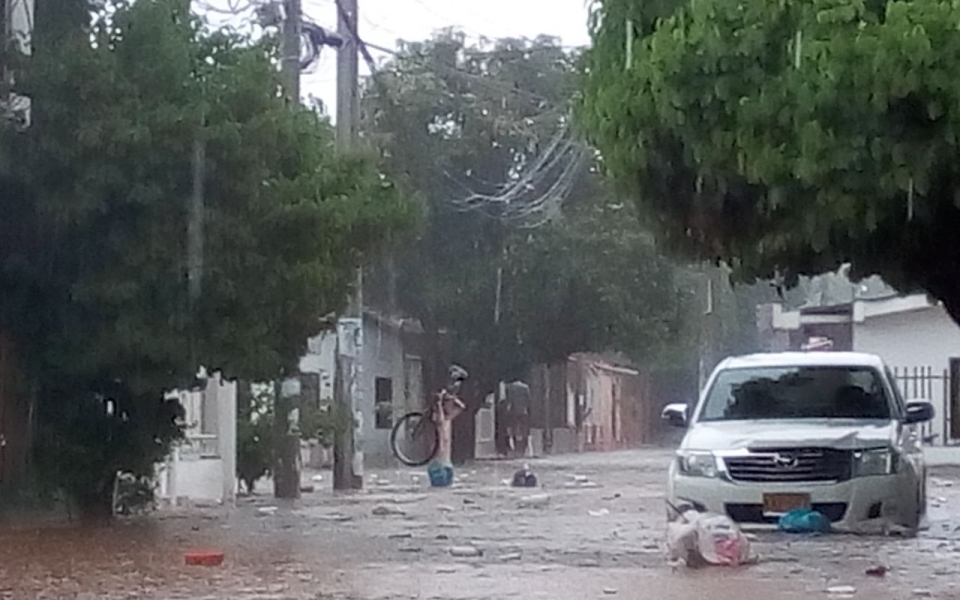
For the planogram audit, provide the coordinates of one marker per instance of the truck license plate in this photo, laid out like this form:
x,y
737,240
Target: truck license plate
x,y
784,503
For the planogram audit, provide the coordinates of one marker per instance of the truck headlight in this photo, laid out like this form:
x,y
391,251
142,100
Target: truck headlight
x,y
874,462
697,463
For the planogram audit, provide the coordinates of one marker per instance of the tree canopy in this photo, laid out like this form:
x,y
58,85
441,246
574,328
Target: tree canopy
x,y
132,119
787,138
520,278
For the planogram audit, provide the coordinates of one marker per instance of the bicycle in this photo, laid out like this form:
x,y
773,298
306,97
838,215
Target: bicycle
x,y
415,438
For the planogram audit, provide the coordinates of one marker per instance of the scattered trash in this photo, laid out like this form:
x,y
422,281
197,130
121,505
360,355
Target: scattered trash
x,y
879,526
842,590
700,539
335,517
204,559
615,496
266,511
524,478
317,478
598,513
465,552
469,501
408,499
510,557
804,520
877,571
580,478
440,474
383,510
589,562
535,501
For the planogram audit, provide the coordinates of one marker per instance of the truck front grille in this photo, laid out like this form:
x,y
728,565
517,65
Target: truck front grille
x,y
791,464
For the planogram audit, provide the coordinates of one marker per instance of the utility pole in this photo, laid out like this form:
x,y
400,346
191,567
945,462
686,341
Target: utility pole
x,y
348,451
286,476
290,46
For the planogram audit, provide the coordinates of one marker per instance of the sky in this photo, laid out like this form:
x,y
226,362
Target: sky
x,y
382,22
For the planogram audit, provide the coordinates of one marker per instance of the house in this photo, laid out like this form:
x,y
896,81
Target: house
x,y
590,402
391,383
912,333
610,404
390,379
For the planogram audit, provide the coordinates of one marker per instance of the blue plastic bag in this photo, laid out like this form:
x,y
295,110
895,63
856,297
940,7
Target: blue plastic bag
x,y
804,520
440,474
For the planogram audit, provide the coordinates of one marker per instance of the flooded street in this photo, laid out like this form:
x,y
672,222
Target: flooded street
x,y
594,530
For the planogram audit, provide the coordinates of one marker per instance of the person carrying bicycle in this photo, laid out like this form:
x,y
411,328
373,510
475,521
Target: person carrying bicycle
x,y
447,407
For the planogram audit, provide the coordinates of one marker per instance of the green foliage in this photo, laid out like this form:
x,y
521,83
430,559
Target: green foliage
x,y
587,280
93,243
322,423
787,137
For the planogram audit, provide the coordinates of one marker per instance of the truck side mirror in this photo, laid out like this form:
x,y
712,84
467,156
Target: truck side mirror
x,y
919,411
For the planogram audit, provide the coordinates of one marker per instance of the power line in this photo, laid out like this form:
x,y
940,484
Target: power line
x,y
536,192
536,188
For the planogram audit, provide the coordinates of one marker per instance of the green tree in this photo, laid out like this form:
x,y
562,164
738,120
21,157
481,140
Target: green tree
x,y
514,290
97,280
787,137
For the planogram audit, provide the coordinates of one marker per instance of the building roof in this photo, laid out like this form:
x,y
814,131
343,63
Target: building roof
x,y
803,359
856,312
404,324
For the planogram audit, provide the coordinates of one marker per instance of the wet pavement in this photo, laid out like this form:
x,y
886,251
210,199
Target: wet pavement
x,y
593,530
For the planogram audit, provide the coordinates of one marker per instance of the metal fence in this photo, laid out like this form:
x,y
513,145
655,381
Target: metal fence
x,y
933,385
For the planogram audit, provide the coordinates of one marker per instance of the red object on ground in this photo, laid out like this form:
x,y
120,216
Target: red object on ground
x,y
204,559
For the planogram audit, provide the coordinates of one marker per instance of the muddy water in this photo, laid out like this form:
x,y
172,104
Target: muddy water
x,y
601,541
278,562
146,560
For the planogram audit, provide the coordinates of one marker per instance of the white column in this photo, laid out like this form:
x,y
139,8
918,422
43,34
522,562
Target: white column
x,y
227,437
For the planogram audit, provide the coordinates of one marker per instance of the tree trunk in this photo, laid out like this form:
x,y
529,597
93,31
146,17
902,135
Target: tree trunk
x,y
16,416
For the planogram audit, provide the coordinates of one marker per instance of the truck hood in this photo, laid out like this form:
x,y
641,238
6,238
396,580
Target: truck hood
x,y
842,434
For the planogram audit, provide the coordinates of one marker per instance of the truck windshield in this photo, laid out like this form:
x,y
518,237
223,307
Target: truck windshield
x,y
830,392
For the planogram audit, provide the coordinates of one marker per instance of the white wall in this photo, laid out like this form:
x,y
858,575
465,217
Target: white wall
x,y
208,475
919,338
382,357
321,359
200,479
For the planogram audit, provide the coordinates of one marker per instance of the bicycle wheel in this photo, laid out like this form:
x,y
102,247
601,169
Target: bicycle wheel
x,y
414,439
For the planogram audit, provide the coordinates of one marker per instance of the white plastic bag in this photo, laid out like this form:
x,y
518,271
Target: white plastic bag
x,y
700,539
721,542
